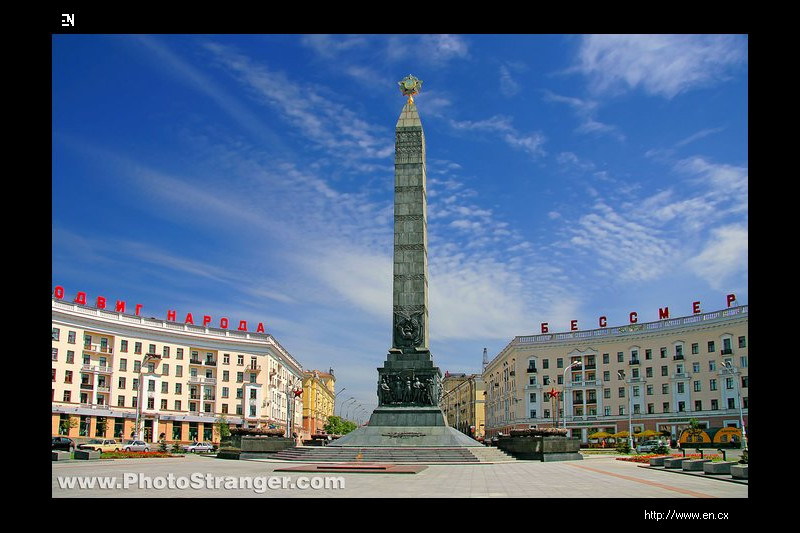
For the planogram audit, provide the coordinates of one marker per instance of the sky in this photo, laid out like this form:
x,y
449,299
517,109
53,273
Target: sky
x,y
252,176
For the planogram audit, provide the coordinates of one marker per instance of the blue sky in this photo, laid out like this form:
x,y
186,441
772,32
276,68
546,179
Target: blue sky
x,y
251,177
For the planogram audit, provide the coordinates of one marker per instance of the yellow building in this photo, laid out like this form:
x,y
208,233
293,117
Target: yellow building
x,y
655,376
187,377
318,400
463,403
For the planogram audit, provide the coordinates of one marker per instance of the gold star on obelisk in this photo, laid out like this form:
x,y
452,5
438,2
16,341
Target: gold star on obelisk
x,y
409,86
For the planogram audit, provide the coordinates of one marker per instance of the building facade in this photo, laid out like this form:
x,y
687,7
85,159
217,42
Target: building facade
x,y
110,369
463,402
318,400
652,376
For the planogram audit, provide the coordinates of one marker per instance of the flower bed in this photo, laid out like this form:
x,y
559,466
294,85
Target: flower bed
x,y
645,458
135,455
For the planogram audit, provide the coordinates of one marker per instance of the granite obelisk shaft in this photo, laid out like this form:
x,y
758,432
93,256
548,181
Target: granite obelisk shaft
x,y
410,288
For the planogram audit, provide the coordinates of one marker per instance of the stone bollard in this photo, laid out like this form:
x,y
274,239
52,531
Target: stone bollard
x,y
718,468
60,455
739,471
694,465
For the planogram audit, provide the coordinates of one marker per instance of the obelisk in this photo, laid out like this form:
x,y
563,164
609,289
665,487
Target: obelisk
x,y
409,386
410,289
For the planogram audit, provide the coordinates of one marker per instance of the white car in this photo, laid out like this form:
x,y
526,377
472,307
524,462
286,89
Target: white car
x,y
648,446
198,447
136,446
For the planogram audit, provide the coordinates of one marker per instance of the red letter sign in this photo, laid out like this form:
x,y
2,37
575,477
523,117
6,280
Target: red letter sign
x,y
80,298
731,298
58,292
223,323
603,321
696,307
260,328
172,316
189,319
101,302
634,317
663,313
573,325
544,327
120,308
138,308
242,325
206,320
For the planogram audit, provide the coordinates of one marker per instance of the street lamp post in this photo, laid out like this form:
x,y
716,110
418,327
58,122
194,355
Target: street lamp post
x,y
291,396
621,374
729,368
576,363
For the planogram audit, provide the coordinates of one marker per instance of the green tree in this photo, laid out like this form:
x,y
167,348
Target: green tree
x,y
339,426
223,429
67,424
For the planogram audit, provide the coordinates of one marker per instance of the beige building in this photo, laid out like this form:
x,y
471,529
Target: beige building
x,y
463,403
110,369
657,375
318,400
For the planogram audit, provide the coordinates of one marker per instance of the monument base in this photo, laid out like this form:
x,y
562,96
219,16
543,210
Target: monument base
x,y
405,437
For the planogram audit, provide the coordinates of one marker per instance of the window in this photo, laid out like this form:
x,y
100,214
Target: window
x,y
697,387
560,379
226,359
179,353
710,346
695,348
745,381
123,346
664,370
649,390
225,408
137,348
546,364
635,373
165,352
70,356
178,388
239,377
665,407
164,369
239,394
120,401
121,383
648,372
545,381
151,385
151,403
177,405
681,407
240,360
163,404
712,366
665,388
605,359
54,374
176,427
225,392
742,360
56,334
742,342
151,348
648,354
607,393
679,350
55,354
663,353
137,366
714,404
606,375
620,357
179,371
164,388
621,392
560,363
728,383
225,375
68,376
695,367
680,387
71,337
123,365
698,405
731,403
635,392
531,380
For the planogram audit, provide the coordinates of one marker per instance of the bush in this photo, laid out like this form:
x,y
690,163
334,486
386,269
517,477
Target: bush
x,y
661,449
623,446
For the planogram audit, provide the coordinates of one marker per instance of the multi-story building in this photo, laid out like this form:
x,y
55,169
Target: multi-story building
x,y
463,402
318,400
111,369
655,375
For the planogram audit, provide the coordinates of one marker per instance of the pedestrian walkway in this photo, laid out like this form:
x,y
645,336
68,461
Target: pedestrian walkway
x,y
598,477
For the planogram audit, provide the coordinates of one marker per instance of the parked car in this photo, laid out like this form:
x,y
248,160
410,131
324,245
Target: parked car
x,y
63,443
136,446
648,446
198,447
101,445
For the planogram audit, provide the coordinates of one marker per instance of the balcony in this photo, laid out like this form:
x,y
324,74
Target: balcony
x,y
195,362
87,386
531,369
98,348
209,398
726,351
206,381
103,388
152,355
96,368
255,368
210,362
678,357
633,362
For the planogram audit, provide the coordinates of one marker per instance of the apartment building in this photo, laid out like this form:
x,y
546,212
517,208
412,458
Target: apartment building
x,y
110,369
654,376
318,400
463,402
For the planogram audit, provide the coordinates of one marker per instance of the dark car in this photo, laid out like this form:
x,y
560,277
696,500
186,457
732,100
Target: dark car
x,y
63,443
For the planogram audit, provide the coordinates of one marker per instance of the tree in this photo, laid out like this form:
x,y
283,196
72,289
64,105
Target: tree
x,y
223,428
67,424
339,426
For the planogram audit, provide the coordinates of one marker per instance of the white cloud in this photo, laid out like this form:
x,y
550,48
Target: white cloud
x,y
508,86
501,125
661,65
724,255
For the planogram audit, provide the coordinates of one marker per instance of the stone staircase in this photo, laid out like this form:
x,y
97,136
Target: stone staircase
x,y
313,454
